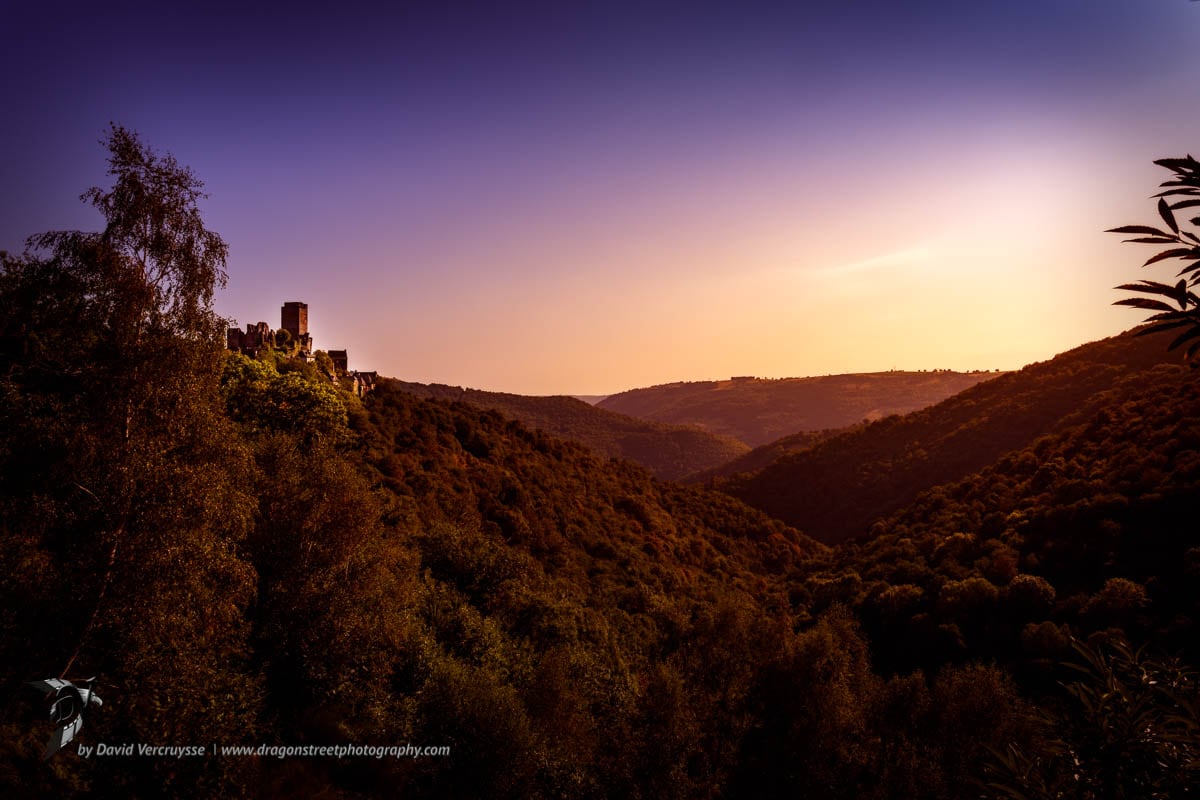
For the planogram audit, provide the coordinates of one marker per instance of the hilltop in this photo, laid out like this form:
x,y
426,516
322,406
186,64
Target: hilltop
x,y
837,488
758,411
668,451
1088,527
764,455
239,548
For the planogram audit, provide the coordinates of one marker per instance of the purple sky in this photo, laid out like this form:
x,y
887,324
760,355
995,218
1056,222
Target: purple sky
x,y
568,197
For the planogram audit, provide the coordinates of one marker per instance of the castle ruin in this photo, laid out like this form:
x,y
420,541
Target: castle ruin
x,y
293,336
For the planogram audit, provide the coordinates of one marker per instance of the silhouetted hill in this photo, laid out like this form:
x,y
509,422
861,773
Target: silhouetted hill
x,y
836,489
554,496
1089,527
766,454
238,550
758,411
668,451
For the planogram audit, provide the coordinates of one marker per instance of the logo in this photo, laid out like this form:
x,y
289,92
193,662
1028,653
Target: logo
x,y
67,704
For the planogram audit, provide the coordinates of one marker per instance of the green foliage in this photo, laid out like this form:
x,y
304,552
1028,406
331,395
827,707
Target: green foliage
x,y
1179,307
154,266
119,475
259,396
1127,725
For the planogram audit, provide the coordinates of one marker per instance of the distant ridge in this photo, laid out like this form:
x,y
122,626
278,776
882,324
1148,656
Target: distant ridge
x,y
758,411
668,451
837,488
764,455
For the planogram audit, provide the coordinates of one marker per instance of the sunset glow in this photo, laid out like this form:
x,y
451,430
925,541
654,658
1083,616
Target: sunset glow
x,y
542,199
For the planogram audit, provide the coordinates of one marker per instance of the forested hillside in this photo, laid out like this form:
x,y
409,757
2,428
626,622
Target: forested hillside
x,y
1089,530
240,552
836,489
758,411
668,451
767,454
1101,512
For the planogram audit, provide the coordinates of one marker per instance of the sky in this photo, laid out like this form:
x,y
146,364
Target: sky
x,y
581,198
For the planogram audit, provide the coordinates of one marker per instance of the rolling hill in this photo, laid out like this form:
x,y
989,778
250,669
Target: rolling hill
x,y
836,489
1088,527
244,555
668,451
766,454
758,411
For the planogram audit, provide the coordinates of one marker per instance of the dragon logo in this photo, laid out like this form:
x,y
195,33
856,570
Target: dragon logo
x,y
67,704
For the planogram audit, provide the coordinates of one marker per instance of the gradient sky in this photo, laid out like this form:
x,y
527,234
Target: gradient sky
x,y
569,197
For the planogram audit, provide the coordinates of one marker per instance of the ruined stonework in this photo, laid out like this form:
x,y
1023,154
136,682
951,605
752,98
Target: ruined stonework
x,y
252,341
293,336
340,359
293,318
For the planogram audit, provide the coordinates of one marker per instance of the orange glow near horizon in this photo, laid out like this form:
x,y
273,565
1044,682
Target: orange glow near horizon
x,y
791,280
583,198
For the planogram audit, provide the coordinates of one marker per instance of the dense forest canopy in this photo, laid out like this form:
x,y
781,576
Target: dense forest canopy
x,y
837,488
242,552
668,451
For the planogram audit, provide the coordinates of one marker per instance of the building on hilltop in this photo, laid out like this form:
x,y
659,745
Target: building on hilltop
x,y
340,359
293,318
293,335
363,382
251,341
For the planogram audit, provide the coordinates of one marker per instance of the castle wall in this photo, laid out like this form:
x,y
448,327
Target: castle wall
x,y
294,320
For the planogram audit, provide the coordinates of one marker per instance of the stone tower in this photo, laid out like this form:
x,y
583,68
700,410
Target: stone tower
x,y
294,319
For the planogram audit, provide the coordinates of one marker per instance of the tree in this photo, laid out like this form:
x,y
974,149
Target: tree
x,y
1180,192
154,256
119,473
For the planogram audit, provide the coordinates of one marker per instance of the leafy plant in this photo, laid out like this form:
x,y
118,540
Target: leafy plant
x,y
1128,727
1182,191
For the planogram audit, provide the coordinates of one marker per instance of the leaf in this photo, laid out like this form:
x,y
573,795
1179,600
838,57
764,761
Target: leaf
x,y
1179,164
1144,302
1185,337
1162,326
1185,204
1137,229
1151,287
1164,211
1153,240
1174,313
1178,252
